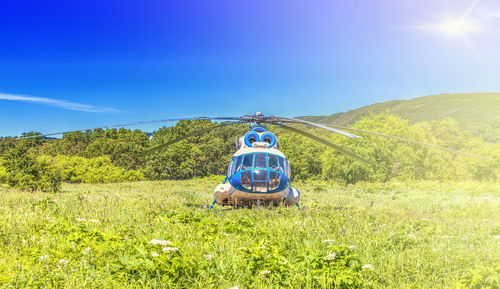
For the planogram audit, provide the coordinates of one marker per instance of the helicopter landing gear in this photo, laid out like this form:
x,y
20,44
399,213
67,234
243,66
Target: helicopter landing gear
x,y
212,205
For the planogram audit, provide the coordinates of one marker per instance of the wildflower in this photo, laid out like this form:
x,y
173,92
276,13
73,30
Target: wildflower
x,y
328,241
210,257
235,287
159,242
24,241
87,251
352,247
94,220
368,267
331,256
44,257
170,249
81,219
154,254
261,247
497,237
264,272
63,262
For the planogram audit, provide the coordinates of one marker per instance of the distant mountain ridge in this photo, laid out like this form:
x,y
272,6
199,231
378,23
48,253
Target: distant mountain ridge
x,y
476,112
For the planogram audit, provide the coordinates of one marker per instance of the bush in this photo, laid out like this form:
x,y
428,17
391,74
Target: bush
x,y
3,175
25,172
94,170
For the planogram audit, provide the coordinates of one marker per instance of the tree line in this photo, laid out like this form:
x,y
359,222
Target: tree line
x,y
117,155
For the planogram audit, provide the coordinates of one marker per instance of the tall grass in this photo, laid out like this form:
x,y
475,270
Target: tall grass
x,y
394,235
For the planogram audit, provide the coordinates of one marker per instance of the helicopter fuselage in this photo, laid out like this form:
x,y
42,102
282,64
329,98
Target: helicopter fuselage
x,y
258,173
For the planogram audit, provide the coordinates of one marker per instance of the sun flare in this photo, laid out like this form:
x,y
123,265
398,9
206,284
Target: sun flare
x,y
455,26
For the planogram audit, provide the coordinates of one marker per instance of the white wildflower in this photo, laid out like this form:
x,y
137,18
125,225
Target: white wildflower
x,y
24,241
87,251
159,242
368,267
264,272
154,254
170,249
328,241
497,237
235,287
261,247
94,220
44,257
81,219
63,262
352,247
210,257
331,256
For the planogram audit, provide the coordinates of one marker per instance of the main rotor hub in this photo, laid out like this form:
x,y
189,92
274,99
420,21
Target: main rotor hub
x,y
258,118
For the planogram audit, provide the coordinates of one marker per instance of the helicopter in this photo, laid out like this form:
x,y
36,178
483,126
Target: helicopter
x,y
258,172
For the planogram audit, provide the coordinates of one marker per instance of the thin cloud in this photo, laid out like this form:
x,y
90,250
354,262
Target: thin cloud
x,y
57,103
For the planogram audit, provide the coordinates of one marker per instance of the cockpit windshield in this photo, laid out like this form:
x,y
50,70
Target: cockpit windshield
x,y
260,172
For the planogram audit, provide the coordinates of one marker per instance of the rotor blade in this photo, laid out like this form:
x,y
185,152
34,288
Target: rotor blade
x,y
132,124
295,120
412,141
193,133
325,142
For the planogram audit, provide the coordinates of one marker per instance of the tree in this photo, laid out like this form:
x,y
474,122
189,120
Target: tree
x,y
25,172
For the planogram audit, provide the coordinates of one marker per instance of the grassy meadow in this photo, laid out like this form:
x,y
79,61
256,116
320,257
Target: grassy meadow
x,y
160,235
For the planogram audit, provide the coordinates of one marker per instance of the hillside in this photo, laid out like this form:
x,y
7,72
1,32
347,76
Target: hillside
x,y
476,112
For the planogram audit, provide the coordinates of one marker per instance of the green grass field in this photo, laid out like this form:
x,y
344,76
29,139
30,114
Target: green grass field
x,y
416,235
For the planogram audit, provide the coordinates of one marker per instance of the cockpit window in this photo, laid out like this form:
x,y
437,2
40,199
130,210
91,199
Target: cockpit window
x,y
260,160
282,165
230,168
260,187
237,164
260,175
273,163
274,180
262,172
247,162
246,180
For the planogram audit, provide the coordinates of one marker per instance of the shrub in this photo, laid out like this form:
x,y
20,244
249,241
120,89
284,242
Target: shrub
x,y
3,175
94,170
25,172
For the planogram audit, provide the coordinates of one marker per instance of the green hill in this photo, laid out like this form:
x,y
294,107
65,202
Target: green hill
x,y
476,112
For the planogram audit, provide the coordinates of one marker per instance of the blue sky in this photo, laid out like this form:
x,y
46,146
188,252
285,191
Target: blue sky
x,y
76,64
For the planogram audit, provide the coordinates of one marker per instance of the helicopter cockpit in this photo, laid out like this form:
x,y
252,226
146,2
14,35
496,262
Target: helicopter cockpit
x,y
259,172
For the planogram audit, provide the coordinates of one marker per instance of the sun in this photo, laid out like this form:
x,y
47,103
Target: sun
x,y
455,27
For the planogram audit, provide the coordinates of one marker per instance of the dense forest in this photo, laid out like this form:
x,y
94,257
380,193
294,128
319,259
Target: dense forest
x,y
117,155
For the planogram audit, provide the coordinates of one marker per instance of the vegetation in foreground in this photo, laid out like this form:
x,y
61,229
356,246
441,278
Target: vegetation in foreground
x,y
159,235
